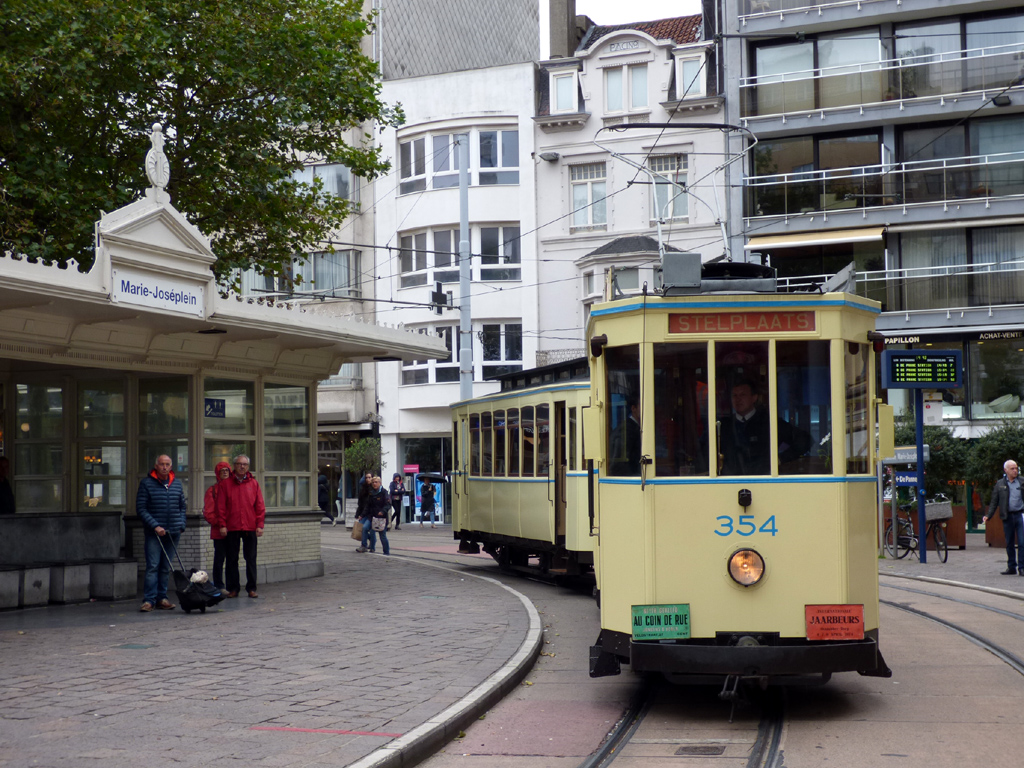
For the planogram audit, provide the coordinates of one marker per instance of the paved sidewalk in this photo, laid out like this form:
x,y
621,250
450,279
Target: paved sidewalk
x,y
978,565
377,663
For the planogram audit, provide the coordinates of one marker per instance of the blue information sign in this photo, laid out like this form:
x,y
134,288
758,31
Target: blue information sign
x,y
214,408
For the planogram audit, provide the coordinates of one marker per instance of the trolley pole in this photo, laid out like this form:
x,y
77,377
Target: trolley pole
x,y
465,344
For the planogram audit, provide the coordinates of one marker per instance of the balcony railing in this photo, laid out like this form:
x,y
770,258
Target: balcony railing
x,y
754,8
956,73
953,287
918,182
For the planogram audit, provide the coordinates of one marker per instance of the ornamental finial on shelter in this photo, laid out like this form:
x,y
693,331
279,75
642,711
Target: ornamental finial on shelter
x,y
157,168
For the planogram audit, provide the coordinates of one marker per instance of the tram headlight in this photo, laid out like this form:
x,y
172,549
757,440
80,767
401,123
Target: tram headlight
x,y
746,567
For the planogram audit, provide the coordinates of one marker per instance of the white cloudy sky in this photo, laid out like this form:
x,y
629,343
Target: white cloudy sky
x,y
620,12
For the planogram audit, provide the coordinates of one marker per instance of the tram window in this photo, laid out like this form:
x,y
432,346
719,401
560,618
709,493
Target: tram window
x,y
455,445
543,432
499,443
474,444
528,444
857,414
624,415
571,435
514,438
804,388
681,409
486,452
744,439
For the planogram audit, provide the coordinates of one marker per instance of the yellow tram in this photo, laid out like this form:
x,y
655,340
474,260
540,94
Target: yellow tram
x,y
519,485
734,443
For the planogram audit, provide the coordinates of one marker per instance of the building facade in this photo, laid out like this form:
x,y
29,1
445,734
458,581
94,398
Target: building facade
x,y
887,137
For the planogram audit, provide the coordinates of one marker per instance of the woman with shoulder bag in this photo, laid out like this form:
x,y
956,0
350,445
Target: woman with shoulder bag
x,y
378,505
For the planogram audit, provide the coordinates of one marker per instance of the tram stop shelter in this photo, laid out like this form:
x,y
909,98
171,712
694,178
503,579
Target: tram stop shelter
x,y
103,370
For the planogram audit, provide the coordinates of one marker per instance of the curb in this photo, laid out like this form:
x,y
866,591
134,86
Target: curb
x,y
962,584
427,738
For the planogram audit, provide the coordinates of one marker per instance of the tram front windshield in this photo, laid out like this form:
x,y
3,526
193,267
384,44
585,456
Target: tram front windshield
x,y
745,387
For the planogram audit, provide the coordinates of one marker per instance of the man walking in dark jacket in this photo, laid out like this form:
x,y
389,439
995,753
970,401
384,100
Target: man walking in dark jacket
x,y
1006,497
160,504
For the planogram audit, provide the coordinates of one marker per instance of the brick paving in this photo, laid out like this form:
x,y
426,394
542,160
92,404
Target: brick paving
x,y
319,672
978,564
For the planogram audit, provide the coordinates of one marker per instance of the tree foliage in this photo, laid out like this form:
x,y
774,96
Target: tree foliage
x,y
949,455
991,450
364,455
245,92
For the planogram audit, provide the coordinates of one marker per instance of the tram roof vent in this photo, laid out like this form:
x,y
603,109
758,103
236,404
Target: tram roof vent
x,y
683,274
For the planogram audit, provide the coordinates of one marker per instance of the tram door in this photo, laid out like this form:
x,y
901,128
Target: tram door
x,y
558,455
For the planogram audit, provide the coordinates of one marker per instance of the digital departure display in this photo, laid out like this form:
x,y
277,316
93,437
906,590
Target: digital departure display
x,y
919,369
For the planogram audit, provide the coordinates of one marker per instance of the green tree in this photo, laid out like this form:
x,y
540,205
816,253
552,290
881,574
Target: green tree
x,y
364,455
991,450
245,92
949,455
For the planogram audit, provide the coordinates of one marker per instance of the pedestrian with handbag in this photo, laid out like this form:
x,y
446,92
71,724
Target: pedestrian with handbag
x,y
368,543
397,491
379,508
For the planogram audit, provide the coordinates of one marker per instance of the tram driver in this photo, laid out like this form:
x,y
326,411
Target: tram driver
x,y
744,438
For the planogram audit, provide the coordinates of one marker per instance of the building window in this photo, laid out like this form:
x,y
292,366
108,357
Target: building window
x,y
412,258
499,245
446,160
627,278
445,257
588,196
502,348
412,166
690,78
668,191
626,88
499,149
590,284
350,376
336,179
448,370
564,92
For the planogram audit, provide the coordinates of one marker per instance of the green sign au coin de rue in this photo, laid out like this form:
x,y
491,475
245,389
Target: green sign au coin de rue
x,y
661,622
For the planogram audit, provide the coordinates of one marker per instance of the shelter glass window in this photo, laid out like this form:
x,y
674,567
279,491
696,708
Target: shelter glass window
x,y
39,447
499,443
514,438
529,446
486,454
164,424
624,415
804,386
229,422
542,429
286,450
681,409
103,451
474,444
744,426
857,414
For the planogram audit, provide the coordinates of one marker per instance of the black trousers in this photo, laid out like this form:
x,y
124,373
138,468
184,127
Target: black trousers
x,y
218,562
247,541
397,506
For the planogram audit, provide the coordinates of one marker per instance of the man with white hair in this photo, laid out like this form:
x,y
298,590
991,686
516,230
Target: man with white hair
x,y
160,504
1006,497
240,515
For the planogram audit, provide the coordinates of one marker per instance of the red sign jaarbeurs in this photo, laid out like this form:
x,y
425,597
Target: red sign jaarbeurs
x,y
741,322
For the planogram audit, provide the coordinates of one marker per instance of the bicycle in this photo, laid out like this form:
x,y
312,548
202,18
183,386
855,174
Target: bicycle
x,y
901,540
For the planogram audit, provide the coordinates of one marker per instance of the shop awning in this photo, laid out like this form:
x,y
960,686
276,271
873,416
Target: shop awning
x,y
863,235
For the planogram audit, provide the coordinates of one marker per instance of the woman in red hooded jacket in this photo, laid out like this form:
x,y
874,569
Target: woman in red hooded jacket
x,y
223,470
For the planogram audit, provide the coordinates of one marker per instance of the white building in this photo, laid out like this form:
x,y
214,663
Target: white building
x,y
597,206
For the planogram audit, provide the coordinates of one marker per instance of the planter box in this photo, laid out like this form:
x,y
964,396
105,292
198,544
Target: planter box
x,y
34,586
69,583
994,532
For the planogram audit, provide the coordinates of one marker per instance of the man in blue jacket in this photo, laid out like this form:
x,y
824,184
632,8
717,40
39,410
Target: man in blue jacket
x,y
160,504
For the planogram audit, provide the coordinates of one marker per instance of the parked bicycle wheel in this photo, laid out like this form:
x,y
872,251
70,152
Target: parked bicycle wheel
x,y
898,544
939,534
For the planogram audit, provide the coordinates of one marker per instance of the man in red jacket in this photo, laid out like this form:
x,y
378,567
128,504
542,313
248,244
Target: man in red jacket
x,y
240,514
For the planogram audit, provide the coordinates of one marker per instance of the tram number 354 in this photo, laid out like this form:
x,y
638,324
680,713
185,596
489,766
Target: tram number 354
x,y
744,525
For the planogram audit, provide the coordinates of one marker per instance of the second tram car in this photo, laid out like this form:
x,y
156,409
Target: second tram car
x,y
519,488
733,439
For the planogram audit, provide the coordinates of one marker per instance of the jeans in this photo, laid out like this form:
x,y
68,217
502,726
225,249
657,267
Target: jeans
x,y
424,512
369,535
218,563
158,568
1013,529
247,541
384,542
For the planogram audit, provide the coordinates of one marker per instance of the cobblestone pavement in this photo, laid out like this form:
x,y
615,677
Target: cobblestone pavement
x,y
319,672
978,564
